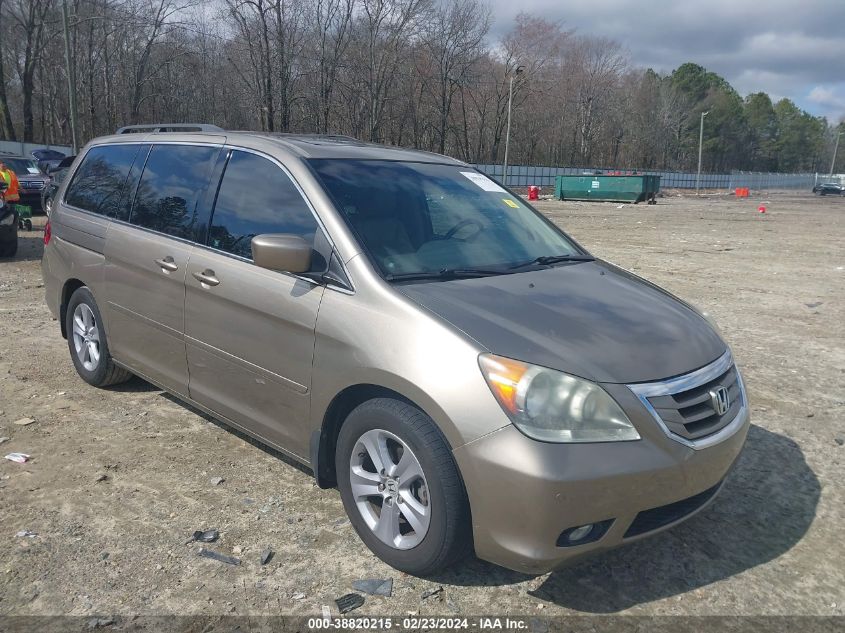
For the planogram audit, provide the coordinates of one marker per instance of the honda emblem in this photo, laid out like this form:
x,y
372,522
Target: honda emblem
x,y
720,400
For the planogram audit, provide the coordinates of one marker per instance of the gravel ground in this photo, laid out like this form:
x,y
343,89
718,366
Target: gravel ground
x,y
120,478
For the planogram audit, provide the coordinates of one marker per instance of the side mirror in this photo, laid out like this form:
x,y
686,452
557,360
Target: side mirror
x,y
281,251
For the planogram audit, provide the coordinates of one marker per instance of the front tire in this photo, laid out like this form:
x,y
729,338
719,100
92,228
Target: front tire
x,y
401,487
87,342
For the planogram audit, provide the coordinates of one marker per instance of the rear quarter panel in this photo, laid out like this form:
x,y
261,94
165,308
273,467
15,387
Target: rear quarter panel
x,y
75,251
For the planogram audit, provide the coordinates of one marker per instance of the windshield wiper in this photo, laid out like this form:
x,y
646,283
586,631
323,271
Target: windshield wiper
x,y
446,273
545,260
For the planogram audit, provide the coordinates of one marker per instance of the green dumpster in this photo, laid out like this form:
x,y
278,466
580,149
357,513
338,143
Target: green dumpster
x,y
608,188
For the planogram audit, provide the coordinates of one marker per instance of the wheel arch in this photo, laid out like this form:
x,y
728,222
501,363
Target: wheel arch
x,y
68,288
324,440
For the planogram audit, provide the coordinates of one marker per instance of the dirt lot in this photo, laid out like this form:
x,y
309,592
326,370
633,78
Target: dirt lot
x,y
120,478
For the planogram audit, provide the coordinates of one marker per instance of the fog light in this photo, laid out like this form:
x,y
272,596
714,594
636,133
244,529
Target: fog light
x,y
583,534
579,533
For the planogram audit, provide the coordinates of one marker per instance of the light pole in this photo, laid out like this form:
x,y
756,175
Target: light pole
x,y
835,149
700,144
69,69
508,132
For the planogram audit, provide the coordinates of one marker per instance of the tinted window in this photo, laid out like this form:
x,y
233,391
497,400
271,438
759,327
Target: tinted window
x,y
98,184
257,197
171,189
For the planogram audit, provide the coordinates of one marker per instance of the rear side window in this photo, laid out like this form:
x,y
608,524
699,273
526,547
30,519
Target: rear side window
x,y
169,195
98,184
257,197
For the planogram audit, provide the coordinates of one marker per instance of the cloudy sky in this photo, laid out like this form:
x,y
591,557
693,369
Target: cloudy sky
x,y
783,47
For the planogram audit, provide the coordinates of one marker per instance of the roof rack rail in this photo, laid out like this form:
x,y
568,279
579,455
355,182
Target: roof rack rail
x,y
168,127
308,136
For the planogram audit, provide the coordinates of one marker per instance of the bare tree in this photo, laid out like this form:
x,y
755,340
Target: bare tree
x,y
29,21
453,39
422,73
600,64
532,45
251,16
330,24
290,33
384,30
7,128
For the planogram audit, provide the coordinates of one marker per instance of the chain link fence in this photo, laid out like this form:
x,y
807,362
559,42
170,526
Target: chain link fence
x,y
524,175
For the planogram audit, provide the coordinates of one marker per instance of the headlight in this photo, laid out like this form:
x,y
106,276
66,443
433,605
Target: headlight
x,y
551,406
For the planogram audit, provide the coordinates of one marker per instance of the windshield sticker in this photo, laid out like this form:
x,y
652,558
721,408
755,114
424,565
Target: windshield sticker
x,y
510,203
33,170
482,181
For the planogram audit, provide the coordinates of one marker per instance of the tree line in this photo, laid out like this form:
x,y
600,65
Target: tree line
x,y
419,73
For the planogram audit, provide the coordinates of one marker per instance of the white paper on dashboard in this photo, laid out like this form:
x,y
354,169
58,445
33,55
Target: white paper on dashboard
x,y
482,181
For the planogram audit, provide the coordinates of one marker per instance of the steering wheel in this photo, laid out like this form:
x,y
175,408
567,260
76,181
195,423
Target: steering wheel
x,y
468,222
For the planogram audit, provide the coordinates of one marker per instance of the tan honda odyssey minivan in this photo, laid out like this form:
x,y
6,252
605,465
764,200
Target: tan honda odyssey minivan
x,y
466,374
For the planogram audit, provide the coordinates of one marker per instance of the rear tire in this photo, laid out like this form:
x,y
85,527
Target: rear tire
x,y
420,480
86,339
9,248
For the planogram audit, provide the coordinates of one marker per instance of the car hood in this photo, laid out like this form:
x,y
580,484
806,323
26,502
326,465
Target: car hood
x,y
32,177
589,319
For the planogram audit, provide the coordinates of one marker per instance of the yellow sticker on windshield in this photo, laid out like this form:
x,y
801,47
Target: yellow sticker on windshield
x,y
510,203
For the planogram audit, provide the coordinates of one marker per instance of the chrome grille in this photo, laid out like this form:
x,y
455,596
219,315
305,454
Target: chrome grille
x,y
687,411
691,413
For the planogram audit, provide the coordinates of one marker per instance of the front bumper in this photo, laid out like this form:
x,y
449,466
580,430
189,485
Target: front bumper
x,y
524,494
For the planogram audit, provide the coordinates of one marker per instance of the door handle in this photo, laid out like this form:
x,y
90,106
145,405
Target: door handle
x,y
206,277
167,264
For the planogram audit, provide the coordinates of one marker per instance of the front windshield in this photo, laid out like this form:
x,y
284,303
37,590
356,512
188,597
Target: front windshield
x,y
47,154
21,166
421,217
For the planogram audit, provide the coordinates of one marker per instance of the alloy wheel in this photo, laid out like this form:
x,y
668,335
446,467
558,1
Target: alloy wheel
x,y
389,488
86,337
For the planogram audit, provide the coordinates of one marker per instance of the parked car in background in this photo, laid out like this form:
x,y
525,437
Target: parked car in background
x,y
829,189
57,176
48,159
32,180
